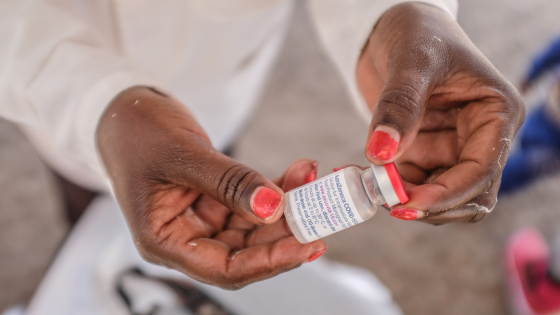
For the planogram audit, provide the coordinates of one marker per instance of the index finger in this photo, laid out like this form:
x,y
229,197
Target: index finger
x,y
472,211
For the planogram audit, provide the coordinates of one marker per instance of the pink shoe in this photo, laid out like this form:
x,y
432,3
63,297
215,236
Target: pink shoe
x,y
531,290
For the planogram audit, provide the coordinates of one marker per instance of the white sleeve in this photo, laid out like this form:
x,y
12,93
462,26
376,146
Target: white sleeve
x,y
344,27
58,72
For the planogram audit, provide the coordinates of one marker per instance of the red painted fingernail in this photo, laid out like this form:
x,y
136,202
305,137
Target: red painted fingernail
x,y
265,202
316,255
406,214
384,143
311,176
336,169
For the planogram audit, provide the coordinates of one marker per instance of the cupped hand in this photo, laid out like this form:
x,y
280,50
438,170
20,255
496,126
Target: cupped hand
x,y
188,206
441,110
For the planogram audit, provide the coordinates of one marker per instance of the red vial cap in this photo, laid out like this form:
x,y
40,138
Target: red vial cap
x,y
397,182
390,184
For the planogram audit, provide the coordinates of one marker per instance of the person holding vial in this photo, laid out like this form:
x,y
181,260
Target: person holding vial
x,y
138,98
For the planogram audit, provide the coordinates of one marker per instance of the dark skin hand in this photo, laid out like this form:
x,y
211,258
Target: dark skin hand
x,y
455,114
192,209
189,206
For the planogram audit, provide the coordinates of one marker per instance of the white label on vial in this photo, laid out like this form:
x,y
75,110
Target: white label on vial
x,y
323,207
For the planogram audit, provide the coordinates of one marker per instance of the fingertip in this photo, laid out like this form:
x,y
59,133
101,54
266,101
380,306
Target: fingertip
x,y
312,176
316,255
305,166
314,250
383,144
407,214
265,202
300,173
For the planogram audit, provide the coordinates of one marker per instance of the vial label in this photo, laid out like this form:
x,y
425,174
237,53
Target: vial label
x,y
323,207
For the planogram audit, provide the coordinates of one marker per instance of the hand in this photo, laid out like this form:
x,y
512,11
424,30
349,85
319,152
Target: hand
x,y
440,109
190,207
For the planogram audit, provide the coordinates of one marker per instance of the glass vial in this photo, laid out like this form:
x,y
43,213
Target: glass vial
x,y
341,200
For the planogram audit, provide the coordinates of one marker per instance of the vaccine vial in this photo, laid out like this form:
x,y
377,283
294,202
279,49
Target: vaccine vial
x,y
341,200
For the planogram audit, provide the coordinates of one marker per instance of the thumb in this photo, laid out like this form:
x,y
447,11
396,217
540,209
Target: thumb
x,y
243,190
155,140
398,113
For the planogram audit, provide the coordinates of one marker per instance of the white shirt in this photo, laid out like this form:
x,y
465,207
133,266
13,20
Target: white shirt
x,y
62,61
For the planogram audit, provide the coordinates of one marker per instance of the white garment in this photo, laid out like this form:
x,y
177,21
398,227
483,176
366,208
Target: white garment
x,y
82,279
62,61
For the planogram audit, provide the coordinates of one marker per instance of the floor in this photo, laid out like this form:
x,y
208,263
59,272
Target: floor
x,y
305,112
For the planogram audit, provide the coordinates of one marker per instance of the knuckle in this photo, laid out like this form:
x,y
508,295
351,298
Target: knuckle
x,y
519,108
236,183
232,283
519,103
515,109
426,54
167,157
480,210
430,56
151,243
170,157
433,220
401,102
233,286
145,252
477,217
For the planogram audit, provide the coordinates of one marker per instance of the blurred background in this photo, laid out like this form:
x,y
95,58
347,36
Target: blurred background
x,y
453,269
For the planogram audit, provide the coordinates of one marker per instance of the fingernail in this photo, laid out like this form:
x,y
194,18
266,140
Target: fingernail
x,y
384,143
316,255
311,176
336,169
406,214
265,202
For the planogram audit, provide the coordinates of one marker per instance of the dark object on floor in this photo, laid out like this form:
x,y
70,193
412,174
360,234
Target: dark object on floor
x,y
176,298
